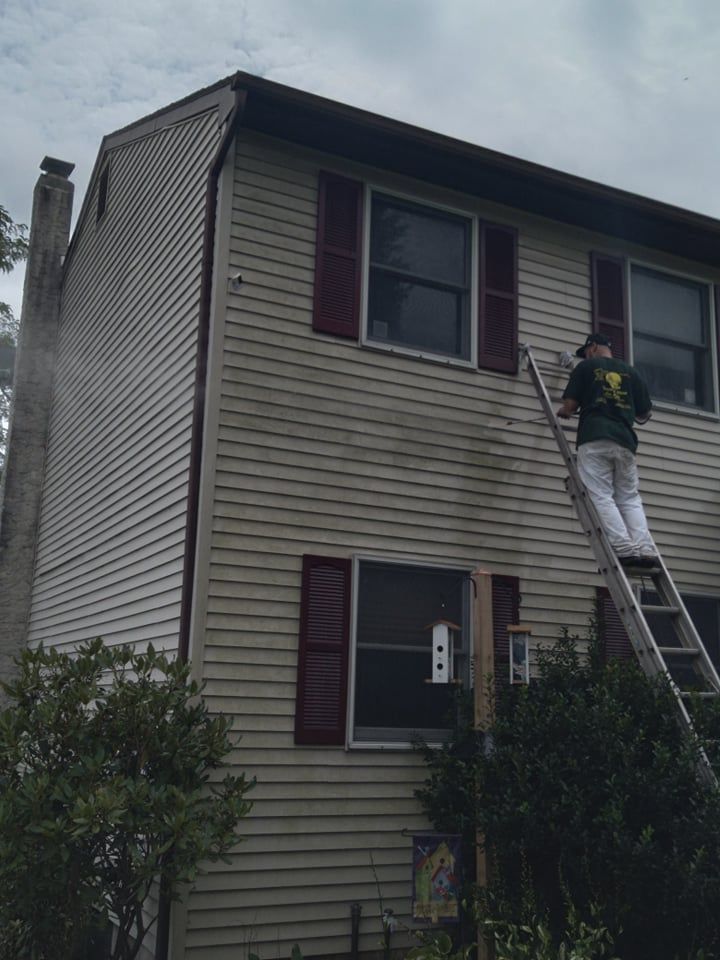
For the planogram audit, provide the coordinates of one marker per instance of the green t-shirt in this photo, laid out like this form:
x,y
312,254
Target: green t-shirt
x,y
611,394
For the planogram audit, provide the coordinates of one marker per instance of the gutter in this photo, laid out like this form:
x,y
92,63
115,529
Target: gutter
x,y
206,280
198,426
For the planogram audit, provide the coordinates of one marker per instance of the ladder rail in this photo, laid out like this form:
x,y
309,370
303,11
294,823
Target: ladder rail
x,y
621,590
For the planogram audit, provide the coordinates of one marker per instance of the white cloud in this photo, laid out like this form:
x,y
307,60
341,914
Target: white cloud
x,y
594,87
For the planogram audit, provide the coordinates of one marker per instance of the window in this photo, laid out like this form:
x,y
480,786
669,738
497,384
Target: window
x,y
419,278
704,613
436,282
396,604
671,337
396,607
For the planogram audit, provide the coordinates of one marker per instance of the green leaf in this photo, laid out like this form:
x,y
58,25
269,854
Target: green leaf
x,y
102,788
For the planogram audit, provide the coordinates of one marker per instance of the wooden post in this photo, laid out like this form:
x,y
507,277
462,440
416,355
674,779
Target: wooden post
x,y
484,661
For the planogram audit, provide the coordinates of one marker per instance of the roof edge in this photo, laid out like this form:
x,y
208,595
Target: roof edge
x,y
486,155
219,95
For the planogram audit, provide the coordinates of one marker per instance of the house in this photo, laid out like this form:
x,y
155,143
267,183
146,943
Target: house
x,y
277,444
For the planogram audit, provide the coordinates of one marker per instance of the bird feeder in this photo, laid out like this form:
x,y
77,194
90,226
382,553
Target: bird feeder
x,y
519,643
443,641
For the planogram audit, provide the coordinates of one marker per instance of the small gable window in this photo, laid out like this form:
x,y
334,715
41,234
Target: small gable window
x,y
102,194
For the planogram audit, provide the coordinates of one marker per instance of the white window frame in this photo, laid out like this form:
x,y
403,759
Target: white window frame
x,y
371,344
658,404
357,559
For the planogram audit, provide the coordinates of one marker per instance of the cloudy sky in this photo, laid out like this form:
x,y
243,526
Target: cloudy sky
x,y
620,91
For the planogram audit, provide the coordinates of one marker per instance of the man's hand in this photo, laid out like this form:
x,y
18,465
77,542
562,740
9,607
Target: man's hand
x,y
568,408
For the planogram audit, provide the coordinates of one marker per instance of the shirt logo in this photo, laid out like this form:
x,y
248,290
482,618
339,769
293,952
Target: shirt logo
x,y
611,384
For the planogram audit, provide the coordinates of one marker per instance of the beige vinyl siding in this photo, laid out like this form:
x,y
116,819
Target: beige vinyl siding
x,y
326,447
112,524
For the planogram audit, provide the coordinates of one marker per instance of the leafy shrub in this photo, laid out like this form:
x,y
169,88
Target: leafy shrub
x,y
295,954
585,781
105,761
535,941
438,946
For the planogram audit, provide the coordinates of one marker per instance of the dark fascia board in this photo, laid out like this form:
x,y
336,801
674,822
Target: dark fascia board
x,y
357,135
219,96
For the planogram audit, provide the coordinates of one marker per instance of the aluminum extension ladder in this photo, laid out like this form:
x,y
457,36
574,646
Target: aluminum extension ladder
x,y
685,662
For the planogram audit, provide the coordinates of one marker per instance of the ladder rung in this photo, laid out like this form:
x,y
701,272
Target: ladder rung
x,y
639,573
657,608
679,651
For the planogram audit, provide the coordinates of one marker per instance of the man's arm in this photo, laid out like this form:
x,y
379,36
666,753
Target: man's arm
x,y
568,407
573,392
643,403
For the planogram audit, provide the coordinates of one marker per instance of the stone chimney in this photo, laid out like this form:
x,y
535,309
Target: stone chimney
x,y
32,394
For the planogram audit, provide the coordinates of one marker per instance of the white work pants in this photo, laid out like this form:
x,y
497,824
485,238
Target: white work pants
x,y
610,474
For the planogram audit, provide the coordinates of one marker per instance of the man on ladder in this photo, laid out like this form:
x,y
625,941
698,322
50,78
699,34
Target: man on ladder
x,y
611,396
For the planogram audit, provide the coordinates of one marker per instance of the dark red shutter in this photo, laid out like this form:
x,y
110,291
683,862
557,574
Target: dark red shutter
x,y
609,301
323,651
506,611
336,307
498,307
613,635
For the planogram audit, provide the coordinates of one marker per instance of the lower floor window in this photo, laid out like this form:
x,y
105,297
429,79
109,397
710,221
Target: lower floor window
x,y
397,604
704,613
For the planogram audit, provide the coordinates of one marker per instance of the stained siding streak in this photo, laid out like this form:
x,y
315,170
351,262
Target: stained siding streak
x,y
328,448
111,539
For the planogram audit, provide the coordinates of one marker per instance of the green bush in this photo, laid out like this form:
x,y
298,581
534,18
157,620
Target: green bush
x,y
105,763
438,946
535,941
295,954
585,784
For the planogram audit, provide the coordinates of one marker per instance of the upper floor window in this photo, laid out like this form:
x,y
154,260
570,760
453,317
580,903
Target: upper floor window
x,y
668,332
430,281
419,278
671,337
